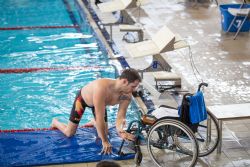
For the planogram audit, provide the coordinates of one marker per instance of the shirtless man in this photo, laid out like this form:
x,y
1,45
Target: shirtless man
x,y
97,95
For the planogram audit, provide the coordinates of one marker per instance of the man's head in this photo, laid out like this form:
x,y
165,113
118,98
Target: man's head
x,y
130,79
131,75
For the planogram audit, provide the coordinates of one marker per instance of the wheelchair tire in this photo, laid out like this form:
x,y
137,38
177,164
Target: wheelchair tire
x,y
172,143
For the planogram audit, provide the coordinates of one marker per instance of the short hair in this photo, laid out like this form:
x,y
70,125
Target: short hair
x,y
131,75
107,163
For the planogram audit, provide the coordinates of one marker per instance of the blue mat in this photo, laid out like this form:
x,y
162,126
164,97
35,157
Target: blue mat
x,y
47,147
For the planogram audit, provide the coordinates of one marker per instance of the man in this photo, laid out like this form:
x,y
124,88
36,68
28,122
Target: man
x,y
97,95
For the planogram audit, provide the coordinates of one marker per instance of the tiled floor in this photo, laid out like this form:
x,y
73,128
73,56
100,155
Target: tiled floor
x,y
222,62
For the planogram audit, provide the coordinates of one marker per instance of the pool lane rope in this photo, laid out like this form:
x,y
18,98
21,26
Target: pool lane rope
x,y
37,27
27,70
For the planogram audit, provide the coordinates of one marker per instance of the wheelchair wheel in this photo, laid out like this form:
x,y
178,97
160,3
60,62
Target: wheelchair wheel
x,y
172,143
207,135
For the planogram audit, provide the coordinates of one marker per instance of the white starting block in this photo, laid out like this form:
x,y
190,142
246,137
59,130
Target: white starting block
x,y
166,76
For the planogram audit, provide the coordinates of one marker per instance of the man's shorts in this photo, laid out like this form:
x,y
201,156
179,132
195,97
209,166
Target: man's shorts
x,y
79,108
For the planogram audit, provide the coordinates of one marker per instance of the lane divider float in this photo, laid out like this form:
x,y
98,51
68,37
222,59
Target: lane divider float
x,y
28,70
37,27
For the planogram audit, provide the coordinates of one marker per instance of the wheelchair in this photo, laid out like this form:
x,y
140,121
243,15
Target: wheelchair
x,y
171,142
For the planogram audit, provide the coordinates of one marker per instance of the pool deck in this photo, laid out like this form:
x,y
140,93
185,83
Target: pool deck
x,y
222,62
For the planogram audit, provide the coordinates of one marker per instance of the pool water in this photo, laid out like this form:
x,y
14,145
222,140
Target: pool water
x,y
49,48
32,100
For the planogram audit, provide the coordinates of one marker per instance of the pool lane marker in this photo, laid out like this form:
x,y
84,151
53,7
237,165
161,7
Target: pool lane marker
x,y
28,70
71,14
37,27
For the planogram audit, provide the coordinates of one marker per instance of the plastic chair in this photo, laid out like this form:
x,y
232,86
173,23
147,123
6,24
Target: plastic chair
x,y
241,12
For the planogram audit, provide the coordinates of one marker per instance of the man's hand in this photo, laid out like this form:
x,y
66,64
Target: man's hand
x,y
106,147
126,136
123,134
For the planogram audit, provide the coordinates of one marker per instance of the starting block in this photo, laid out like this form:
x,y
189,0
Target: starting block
x,y
164,76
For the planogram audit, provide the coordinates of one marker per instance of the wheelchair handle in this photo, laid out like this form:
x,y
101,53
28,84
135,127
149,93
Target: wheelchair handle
x,y
202,84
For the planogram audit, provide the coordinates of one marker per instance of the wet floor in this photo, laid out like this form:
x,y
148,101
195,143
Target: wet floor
x,y
222,62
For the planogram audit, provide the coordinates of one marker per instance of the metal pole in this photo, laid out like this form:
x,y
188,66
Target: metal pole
x,y
220,139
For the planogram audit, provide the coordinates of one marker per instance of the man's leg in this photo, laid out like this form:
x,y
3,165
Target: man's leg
x,y
75,117
106,122
68,130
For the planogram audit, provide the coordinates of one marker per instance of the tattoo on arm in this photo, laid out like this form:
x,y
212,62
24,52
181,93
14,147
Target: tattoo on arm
x,y
124,97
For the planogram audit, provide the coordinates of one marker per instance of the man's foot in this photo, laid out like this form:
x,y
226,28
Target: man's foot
x,y
90,123
53,123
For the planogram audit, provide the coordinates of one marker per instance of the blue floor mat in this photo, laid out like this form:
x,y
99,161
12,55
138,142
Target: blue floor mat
x,y
47,147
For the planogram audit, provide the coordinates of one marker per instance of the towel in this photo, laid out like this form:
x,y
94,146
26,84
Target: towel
x,y
197,108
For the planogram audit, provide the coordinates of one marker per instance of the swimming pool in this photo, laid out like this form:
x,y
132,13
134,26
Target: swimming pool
x,y
48,52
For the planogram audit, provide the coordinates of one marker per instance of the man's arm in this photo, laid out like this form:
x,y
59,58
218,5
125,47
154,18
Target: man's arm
x,y
121,115
99,104
121,118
